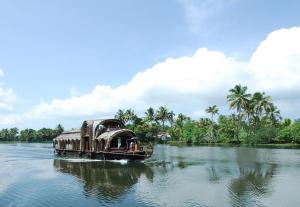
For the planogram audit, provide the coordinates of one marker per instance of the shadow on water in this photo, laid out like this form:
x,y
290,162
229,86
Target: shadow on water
x,y
106,180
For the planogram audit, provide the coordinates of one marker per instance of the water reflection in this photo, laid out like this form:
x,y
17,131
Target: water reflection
x,y
255,177
105,179
186,176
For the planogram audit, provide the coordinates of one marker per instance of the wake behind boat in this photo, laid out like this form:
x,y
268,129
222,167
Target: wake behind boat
x,y
105,139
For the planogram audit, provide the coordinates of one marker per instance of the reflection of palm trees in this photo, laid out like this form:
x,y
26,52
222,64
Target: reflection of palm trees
x,y
251,174
254,179
250,185
105,179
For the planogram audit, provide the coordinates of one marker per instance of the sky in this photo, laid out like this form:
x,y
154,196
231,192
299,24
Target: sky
x,y
66,61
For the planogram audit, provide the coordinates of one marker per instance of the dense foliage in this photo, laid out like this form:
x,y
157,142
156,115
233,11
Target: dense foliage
x,y
255,120
30,135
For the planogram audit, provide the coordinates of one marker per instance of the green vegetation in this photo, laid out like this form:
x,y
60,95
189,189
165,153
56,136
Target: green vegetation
x,y
30,135
255,121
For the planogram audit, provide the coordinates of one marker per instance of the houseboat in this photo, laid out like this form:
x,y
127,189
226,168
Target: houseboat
x,y
105,139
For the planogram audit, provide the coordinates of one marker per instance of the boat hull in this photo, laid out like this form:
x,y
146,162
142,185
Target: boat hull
x,y
104,155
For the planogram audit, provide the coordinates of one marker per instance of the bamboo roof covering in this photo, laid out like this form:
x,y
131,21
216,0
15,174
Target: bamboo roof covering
x,y
72,135
111,134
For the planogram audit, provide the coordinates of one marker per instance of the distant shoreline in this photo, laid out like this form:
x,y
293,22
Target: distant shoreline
x,y
11,142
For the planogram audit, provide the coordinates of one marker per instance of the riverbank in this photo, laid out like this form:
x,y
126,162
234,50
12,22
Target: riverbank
x,y
279,146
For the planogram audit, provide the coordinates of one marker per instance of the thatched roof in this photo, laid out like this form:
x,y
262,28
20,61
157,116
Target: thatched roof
x,y
104,122
69,135
109,135
91,125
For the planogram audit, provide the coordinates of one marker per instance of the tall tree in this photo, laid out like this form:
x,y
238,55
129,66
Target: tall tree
x,y
181,117
213,110
59,129
150,115
130,116
274,115
120,115
171,116
162,115
238,98
260,103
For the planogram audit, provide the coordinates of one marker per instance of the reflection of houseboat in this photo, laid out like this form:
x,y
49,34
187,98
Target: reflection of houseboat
x,y
105,179
101,139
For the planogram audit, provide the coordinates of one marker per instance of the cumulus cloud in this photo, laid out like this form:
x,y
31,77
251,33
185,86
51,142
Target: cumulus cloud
x,y
1,73
190,84
7,97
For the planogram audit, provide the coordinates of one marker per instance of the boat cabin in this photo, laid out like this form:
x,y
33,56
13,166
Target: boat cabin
x,y
98,136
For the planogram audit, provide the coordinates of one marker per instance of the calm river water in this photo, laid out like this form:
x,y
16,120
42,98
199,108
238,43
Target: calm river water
x,y
30,175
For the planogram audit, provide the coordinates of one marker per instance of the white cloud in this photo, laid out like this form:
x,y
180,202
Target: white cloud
x,y
190,84
7,97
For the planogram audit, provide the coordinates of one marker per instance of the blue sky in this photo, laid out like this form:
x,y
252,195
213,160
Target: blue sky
x,y
58,50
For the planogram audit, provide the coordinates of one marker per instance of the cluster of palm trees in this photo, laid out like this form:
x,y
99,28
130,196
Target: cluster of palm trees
x,y
251,110
162,116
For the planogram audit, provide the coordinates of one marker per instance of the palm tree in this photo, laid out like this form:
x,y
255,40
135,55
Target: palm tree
x,y
121,116
238,98
181,117
213,110
260,103
274,114
150,115
162,115
171,115
286,122
130,116
211,130
248,112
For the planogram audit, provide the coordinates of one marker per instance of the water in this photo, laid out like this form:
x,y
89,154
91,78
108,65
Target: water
x,y
175,176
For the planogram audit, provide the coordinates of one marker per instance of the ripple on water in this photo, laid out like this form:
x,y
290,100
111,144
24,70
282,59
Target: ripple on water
x,y
187,176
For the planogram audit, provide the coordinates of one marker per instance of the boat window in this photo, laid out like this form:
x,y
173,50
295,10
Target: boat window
x,y
120,141
99,130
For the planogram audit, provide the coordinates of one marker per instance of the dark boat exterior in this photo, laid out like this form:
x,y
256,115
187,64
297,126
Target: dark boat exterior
x,y
105,139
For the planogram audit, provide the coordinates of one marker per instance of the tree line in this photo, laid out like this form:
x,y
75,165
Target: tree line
x,y
30,135
255,119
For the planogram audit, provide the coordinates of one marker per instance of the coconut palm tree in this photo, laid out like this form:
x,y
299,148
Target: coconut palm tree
x,y
211,130
171,116
260,103
162,115
274,114
130,116
150,115
248,112
213,110
181,117
238,98
121,116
